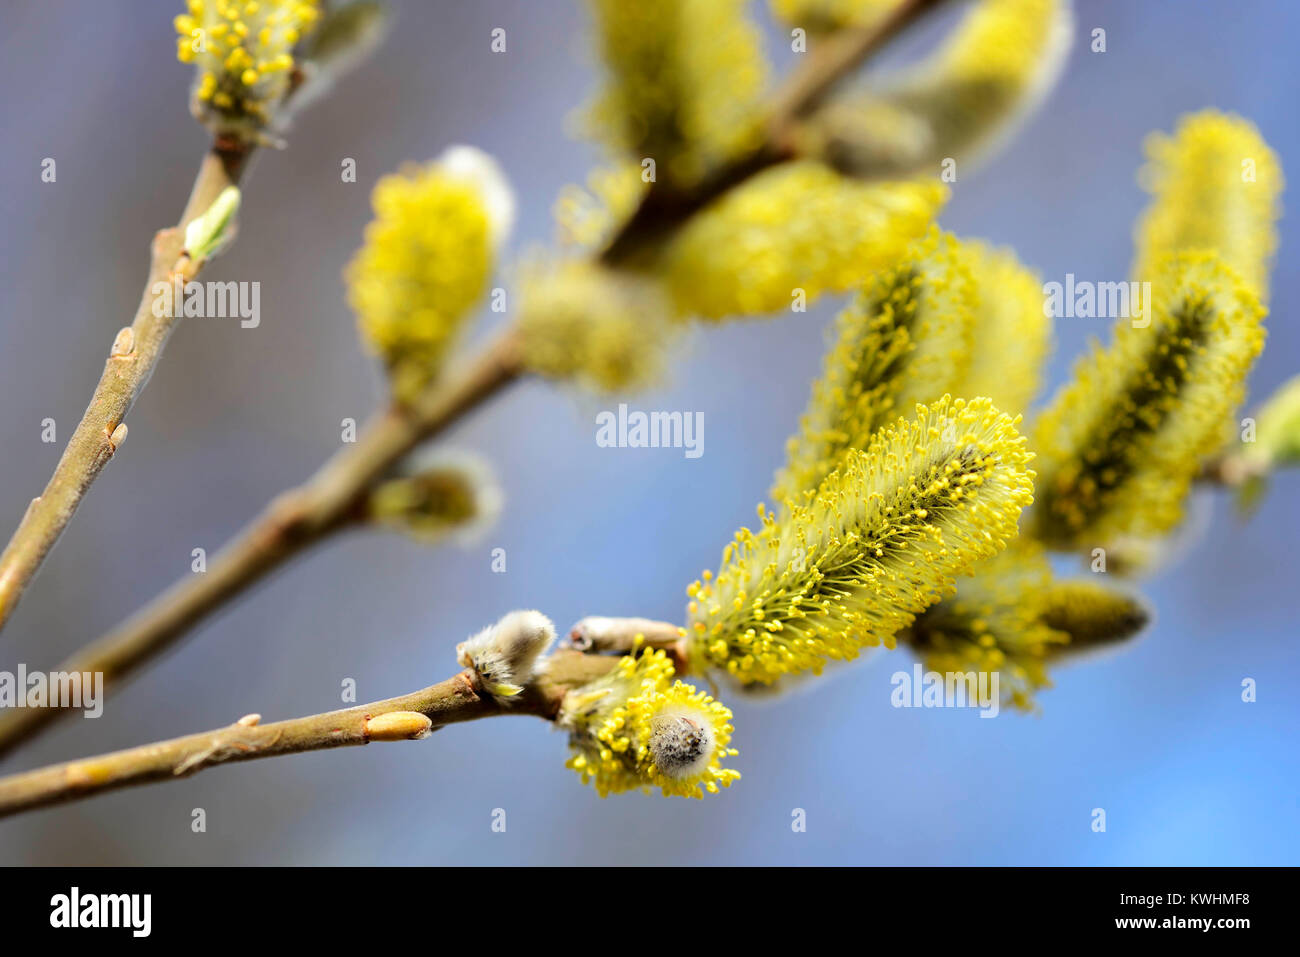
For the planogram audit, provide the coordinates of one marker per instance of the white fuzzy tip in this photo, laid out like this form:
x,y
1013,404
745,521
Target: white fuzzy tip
x,y
473,166
681,743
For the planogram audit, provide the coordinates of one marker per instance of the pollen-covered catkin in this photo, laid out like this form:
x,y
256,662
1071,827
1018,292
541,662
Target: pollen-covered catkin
x,y
885,536
905,340
792,233
636,728
1215,185
1121,443
426,261
244,55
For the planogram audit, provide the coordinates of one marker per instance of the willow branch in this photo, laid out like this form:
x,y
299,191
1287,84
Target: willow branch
x,y
134,354
295,520
831,61
459,698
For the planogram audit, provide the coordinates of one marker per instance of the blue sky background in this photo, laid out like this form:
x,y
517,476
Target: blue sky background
x,y
1157,735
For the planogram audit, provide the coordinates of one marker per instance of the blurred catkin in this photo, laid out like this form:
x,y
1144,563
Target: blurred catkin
x,y
426,261
905,341
1010,617
1121,443
1012,335
798,229
684,81
885,536
606,329
826,16
1215,185
958,103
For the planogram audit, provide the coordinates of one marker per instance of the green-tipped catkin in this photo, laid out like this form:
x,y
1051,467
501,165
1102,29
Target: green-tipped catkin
x,y
792,233
1010,617
1012,335
904,341
426,260
885,536
957,104
636,728
1121,443
684,83
1215,185
436,496
605,329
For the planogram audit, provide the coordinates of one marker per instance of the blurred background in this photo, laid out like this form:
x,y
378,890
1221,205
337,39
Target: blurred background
x,y
1157,734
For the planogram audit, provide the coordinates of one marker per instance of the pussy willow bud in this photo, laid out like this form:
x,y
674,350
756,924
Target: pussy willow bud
x,y
797,231
435,496
1091,615
902,342
959,103
211,231
1277,444
886,535
607,330
505,655
636,728
1215,185
426,261
684,81
244,54
1121,443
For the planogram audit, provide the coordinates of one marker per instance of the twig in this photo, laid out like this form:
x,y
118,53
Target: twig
x,y
136,350
295,520
459,698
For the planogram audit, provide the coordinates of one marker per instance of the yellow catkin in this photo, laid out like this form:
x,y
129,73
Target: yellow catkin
x,y
636,728
799,230
605,329
425,263
587,217
1012,335
244,55
1010,617
825,16
684,83
886,536
1121,443
906,339
958,103
1215,185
